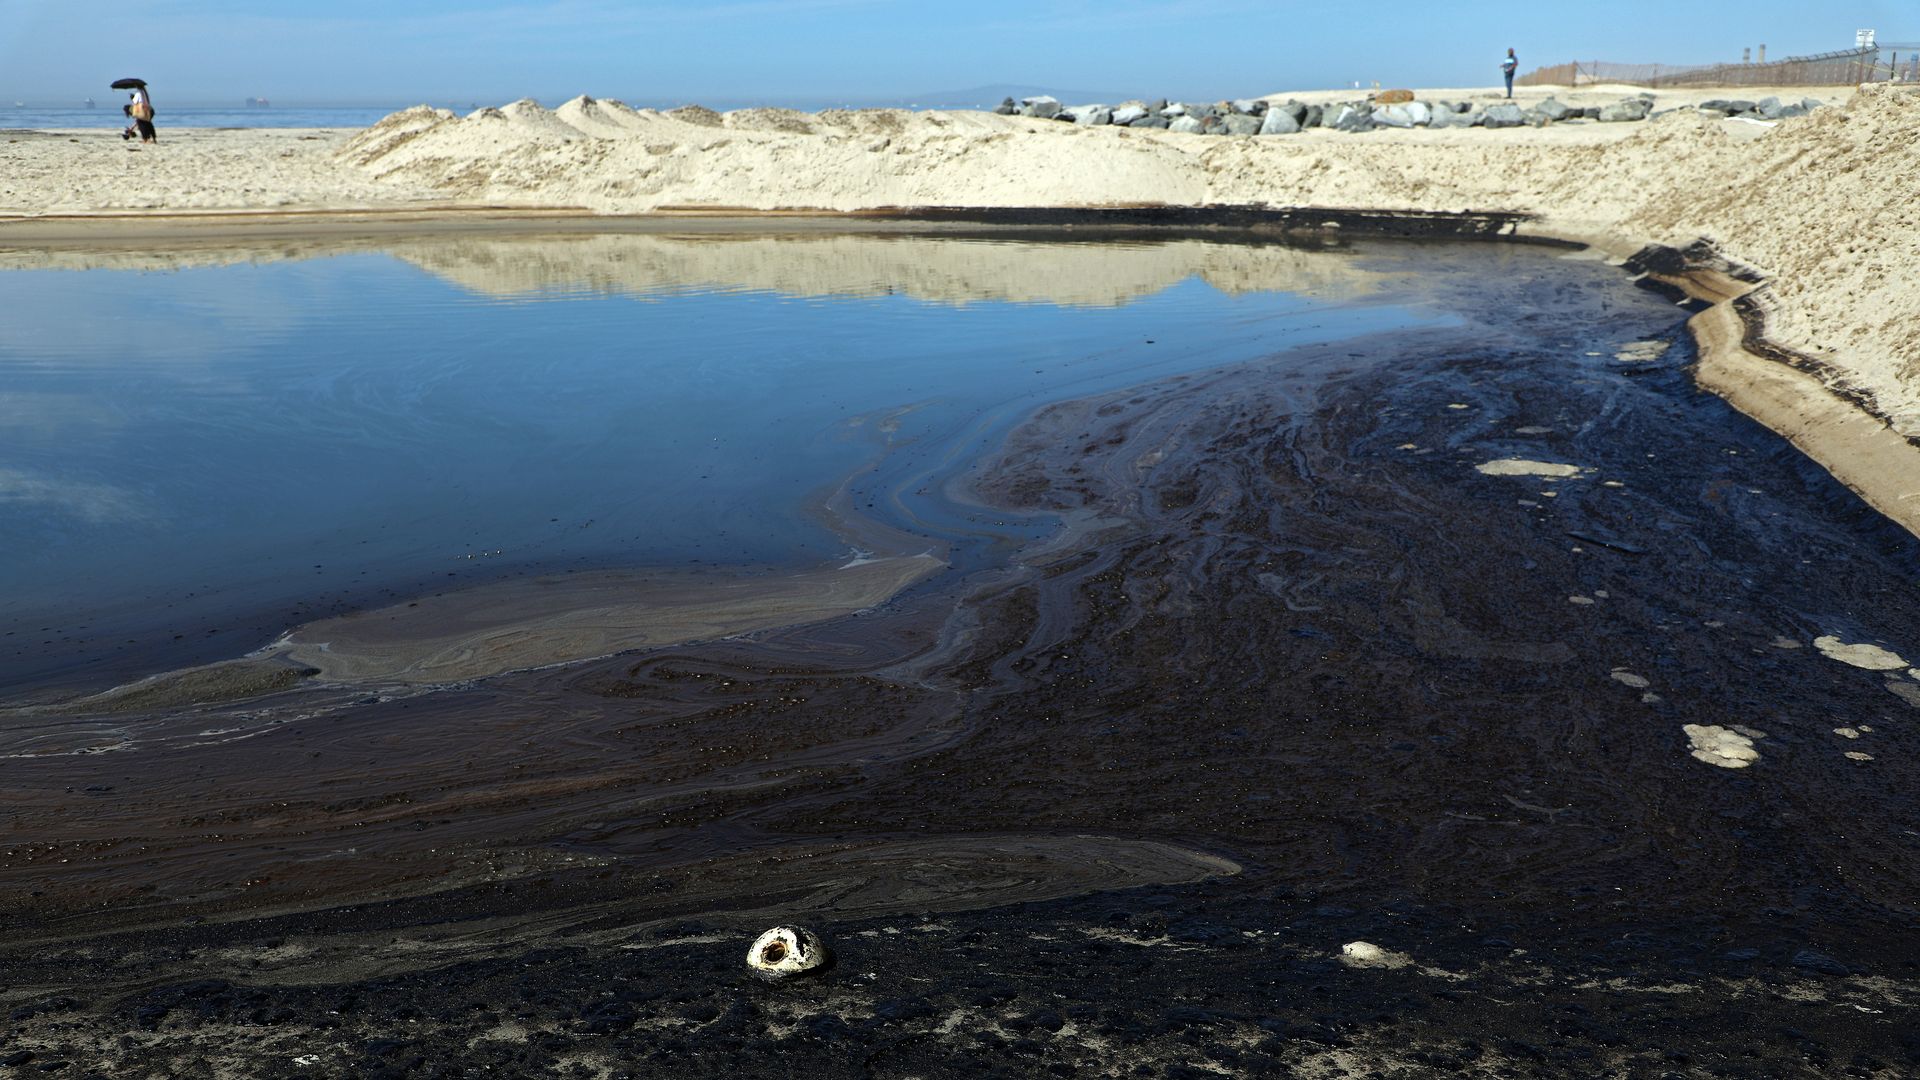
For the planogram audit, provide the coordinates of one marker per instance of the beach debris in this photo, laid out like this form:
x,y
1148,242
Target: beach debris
x,y
786,951
1606,542
1627,678
1855,755
1721,747
1642,352
1906,691
1583,601
1523,467
1871,657
1847,732
1365,954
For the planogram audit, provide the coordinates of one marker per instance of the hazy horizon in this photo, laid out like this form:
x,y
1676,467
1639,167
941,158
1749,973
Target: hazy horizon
x,y
357,53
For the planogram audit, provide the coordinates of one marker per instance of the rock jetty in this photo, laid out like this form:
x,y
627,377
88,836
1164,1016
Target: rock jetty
x,y
1387,109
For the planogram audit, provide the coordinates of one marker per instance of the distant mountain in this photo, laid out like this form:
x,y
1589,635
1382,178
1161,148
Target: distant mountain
x,y
986,97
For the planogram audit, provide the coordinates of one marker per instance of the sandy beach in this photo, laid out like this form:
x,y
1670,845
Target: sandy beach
x,y
1791,202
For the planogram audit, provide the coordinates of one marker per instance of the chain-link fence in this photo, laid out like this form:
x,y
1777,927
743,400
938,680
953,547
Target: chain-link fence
x,y
1843,68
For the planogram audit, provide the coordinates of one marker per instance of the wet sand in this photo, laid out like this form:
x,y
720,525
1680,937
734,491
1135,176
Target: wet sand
x,y
1298,673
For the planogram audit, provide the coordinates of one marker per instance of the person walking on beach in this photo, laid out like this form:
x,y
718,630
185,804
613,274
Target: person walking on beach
x,y
140,108
1508,66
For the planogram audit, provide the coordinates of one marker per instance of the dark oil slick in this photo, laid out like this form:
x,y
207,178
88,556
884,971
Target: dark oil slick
x,y
1234,664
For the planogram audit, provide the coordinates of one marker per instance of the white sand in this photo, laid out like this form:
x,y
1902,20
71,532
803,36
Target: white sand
x,y
1824,206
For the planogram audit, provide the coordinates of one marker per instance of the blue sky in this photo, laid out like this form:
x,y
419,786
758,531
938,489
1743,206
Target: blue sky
x,y
809,51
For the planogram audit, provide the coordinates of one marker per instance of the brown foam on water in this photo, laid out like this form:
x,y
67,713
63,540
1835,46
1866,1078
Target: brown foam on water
x,y
554,620
738,896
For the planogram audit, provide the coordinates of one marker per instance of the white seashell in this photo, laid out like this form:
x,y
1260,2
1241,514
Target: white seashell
x,y
786,951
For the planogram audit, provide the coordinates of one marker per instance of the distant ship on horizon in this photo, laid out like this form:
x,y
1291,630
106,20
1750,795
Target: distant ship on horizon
x,y
90,103
258,103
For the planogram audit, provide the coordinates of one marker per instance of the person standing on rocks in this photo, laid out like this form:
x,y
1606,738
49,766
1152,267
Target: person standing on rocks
x,y
1508,66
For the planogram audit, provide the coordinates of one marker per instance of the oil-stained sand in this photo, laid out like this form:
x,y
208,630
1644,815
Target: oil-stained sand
x,y
1292,627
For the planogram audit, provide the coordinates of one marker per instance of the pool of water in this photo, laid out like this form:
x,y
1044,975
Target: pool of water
x,y
205,448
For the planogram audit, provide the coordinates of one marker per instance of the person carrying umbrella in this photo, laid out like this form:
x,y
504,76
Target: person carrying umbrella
x,y
139,108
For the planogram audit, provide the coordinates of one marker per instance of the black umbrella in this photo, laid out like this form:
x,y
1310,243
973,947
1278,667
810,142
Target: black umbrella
x,y
129,84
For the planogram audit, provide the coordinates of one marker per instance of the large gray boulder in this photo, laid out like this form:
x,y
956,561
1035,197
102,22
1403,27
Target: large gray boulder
x,y
1447,118
1089,115
1240,124
1393,116
1811,103
1279,122
1159,123
1504,116
1629,109
1788,112
1316,115
1199,111
1420,112
1006,108
1351,118
1128,113
1172,108
1553,110
1186,124
1293,109
1248,106
1041,108
1769,108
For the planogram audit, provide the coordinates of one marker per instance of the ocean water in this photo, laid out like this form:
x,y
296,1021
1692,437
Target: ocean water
x,y
107,114
206,449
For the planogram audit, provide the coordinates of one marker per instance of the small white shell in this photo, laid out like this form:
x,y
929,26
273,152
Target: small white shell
x,y
785,951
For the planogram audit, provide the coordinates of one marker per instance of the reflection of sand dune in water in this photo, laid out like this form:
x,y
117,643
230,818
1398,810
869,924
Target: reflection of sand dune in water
x,y
1104,274
162,255
944,270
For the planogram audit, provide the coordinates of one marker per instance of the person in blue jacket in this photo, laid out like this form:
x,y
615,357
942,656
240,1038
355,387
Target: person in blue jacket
x,y
1507,67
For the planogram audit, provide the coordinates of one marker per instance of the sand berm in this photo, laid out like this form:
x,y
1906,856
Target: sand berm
x,y
1816,333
